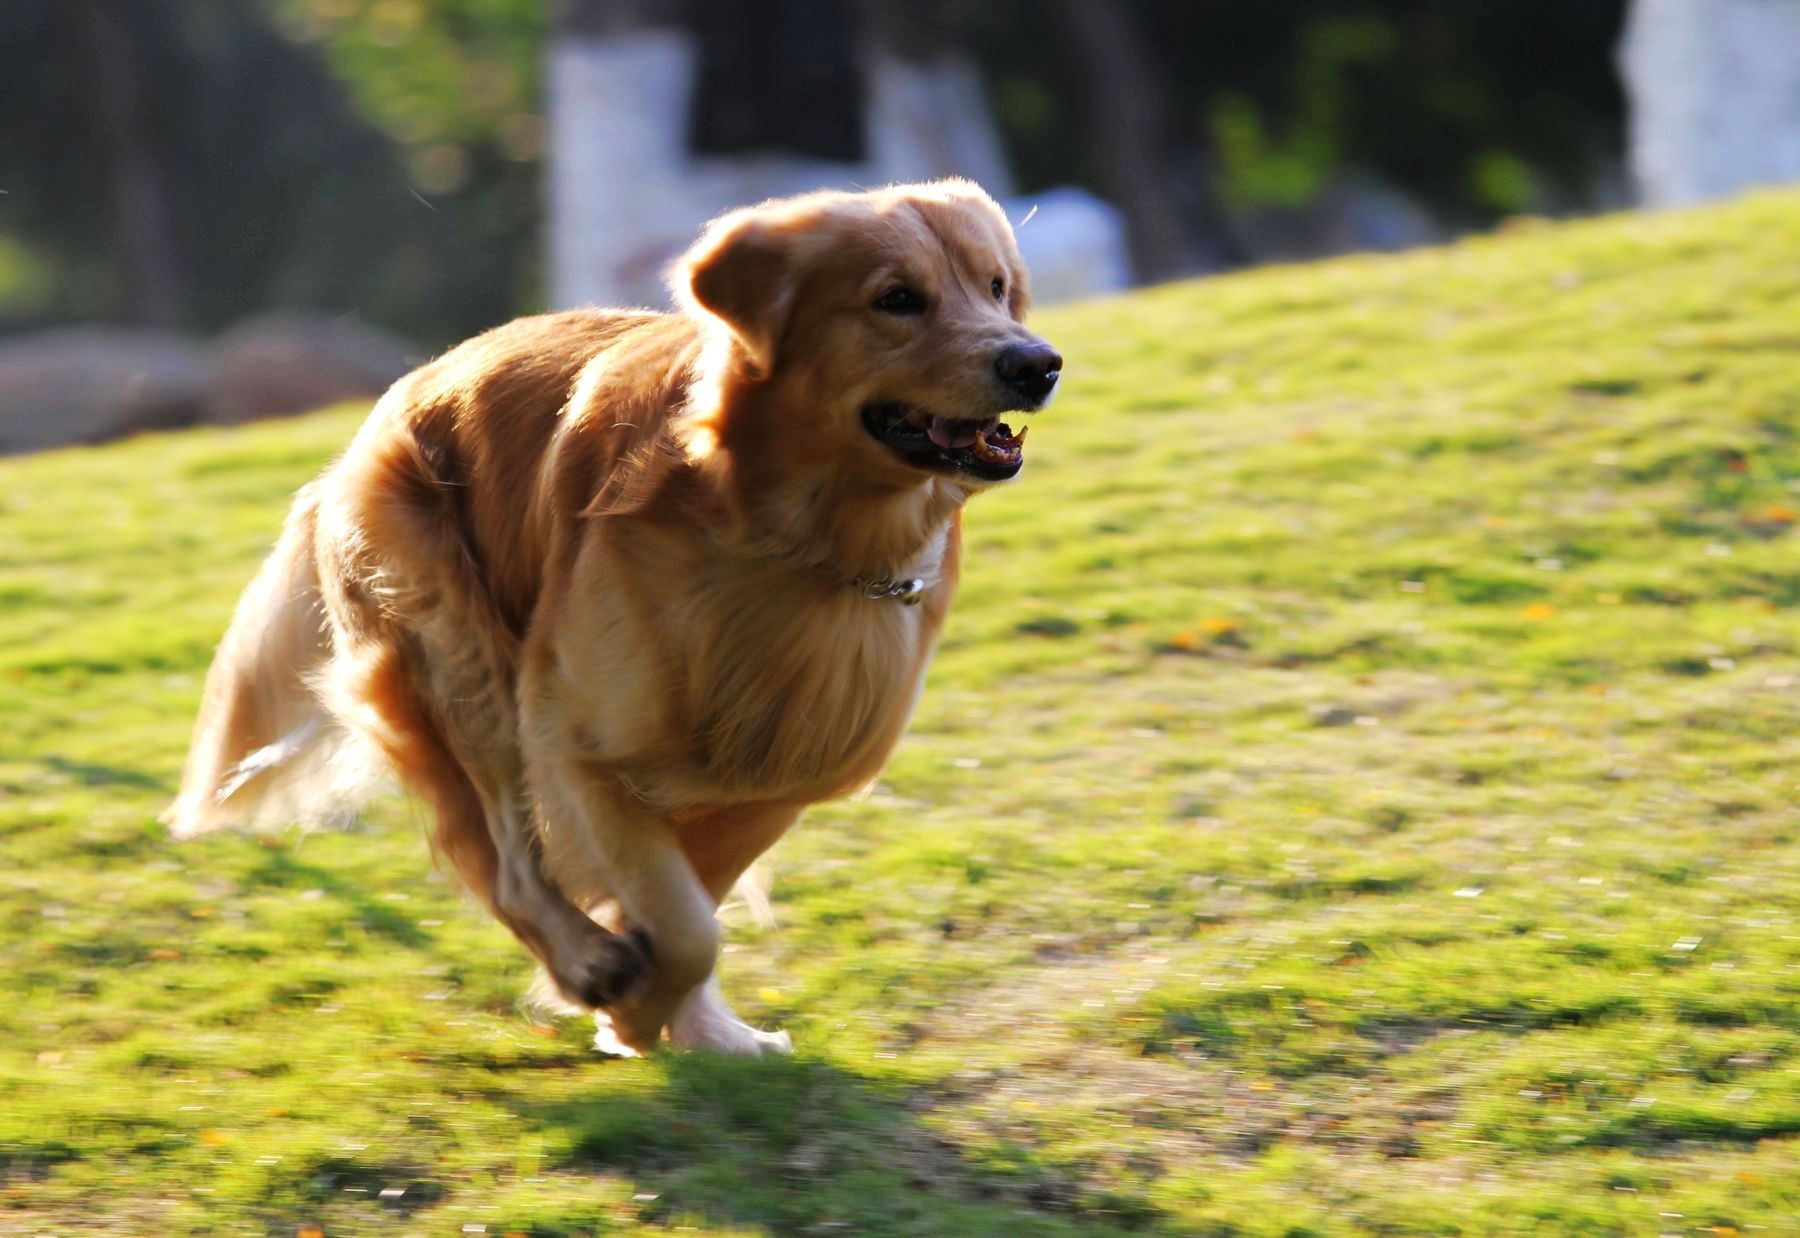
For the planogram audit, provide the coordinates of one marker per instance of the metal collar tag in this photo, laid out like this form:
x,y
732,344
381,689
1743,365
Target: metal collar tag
x,y
906,592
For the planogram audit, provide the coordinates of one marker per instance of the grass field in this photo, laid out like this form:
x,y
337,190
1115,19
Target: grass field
x,y
1357,794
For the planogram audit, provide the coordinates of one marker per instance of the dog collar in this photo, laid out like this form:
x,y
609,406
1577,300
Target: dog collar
x,y
908,592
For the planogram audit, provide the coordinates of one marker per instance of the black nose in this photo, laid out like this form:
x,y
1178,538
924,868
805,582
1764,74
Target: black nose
x,y
1029,369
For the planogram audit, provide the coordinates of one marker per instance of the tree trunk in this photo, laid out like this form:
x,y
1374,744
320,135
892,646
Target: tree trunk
x,y
143,220
1126,108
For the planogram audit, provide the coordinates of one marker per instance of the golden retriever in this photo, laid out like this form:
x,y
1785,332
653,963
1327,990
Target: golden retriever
x,y
621,593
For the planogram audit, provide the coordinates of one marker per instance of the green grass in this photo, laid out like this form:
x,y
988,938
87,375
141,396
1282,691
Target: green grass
x,y
1357,793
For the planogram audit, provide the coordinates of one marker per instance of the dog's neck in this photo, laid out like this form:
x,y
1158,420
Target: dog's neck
x,y
851,535
845,529
881,536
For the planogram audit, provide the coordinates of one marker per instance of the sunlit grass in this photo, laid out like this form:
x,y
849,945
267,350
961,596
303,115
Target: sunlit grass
x,y
1356,792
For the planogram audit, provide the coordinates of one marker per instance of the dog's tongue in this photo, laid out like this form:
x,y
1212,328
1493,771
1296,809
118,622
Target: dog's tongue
x,y
951,433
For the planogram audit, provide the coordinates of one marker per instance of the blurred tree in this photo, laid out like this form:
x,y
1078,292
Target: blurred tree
x,y
382,156
1127,103
142,222
284,186
453,82
1476,109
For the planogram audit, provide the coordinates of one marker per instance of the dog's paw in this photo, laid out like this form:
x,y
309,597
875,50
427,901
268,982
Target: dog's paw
x,y
619,967
606,1038
727,1034
778,1043
740,1040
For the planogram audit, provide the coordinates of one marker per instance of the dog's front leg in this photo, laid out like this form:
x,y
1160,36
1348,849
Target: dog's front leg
x,y
598,837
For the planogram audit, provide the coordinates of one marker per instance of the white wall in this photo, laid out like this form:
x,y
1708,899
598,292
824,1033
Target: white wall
x,y
1714,90
625,197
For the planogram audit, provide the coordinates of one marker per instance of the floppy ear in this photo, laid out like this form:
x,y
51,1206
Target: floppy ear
x,y
740,272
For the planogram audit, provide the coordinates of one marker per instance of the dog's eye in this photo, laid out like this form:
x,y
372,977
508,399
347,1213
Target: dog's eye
x,y
998,287
901,300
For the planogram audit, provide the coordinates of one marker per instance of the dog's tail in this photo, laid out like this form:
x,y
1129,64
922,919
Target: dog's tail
x,y
264,745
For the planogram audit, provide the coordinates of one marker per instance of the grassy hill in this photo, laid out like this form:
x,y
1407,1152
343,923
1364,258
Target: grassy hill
x,y
1357,793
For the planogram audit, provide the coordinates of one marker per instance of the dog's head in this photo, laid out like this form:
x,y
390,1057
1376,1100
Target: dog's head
x,y
877,332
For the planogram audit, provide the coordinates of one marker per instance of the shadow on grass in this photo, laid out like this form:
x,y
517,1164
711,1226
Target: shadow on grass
x,y
281,870
92,774
799,1145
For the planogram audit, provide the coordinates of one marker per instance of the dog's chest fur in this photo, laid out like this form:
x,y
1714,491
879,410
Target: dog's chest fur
x,y
818,709
753,691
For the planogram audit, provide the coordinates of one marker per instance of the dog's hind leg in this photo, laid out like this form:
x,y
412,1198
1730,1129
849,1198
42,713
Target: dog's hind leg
x,y
425,669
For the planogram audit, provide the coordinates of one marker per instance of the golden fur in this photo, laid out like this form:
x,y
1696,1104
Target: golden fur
x,y
585,582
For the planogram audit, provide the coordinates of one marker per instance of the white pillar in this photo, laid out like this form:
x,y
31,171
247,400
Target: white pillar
x,y
625,197
1714,92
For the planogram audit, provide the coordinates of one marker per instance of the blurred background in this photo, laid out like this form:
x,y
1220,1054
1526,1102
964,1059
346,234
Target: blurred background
x,y
214,210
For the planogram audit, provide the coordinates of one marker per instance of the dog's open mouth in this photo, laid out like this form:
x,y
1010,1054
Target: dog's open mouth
x,y
984,447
